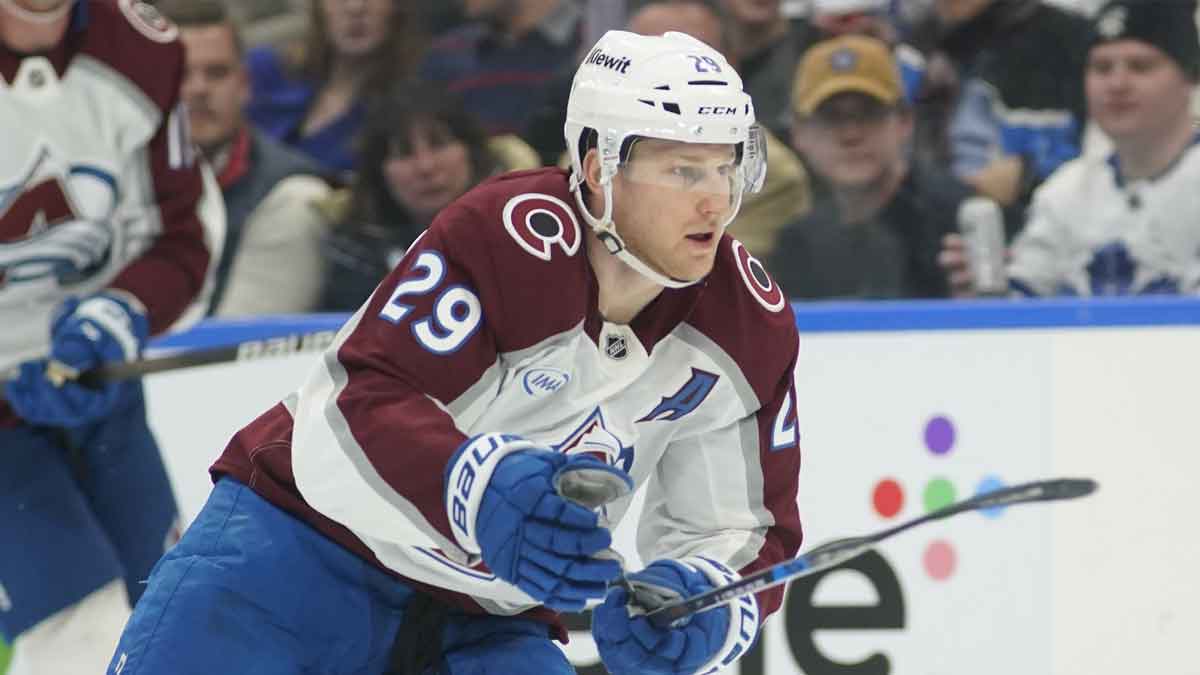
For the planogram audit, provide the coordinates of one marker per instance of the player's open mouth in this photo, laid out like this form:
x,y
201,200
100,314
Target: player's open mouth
x,y
703,237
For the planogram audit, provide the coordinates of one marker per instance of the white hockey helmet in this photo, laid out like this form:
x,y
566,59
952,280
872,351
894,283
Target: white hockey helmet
x,y
672,87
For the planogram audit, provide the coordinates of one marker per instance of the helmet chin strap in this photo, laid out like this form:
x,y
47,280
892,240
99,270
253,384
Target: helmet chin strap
x,y
606,231
32,16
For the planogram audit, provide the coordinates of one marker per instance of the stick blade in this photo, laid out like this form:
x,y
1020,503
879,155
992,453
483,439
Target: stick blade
x,y
1071,488
1037,491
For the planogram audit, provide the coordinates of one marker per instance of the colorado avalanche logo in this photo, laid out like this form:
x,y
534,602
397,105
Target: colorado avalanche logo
x,y
762,287
53,221
593,438
539,222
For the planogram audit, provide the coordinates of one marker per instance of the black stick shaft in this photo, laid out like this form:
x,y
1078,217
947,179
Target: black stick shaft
x,y
246,350
839,551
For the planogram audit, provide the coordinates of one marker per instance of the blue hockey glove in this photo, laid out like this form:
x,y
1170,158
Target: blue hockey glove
x,y
84,334
502,505
699,643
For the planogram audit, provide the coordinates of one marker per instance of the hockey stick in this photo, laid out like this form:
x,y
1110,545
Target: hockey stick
x,y
246,350
841,550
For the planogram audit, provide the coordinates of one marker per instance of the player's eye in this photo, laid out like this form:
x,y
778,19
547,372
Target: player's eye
x,y
689,175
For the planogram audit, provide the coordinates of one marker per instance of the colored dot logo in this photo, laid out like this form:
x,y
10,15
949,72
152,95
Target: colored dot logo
x,y
888,498
939,435
939,493
939,559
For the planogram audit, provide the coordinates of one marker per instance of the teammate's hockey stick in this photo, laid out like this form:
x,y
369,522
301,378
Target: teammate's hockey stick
x,y
841,550
246,350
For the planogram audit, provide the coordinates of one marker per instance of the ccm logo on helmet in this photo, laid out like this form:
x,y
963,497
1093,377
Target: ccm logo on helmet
x,y
539,222
717,110
599,58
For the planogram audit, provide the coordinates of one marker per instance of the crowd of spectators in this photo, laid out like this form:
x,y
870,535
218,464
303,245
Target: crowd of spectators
x,y
337,140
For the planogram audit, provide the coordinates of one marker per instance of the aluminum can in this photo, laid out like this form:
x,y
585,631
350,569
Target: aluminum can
x,y
981,224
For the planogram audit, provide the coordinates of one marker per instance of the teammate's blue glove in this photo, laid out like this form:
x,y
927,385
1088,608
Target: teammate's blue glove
x,y
84,334
699,643
502,505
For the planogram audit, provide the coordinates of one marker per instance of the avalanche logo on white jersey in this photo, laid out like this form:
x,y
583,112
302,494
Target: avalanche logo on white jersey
x,y
54,222
593,437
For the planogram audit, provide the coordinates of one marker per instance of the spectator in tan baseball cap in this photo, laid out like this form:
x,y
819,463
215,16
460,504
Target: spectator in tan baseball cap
x,y
852,63
876,228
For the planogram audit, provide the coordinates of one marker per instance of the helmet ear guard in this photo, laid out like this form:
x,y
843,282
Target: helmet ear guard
x,y
671,87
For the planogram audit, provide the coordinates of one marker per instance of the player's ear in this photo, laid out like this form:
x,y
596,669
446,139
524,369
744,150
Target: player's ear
x,y
591,170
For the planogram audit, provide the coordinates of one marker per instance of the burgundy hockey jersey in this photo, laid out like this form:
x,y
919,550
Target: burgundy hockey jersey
x,y
490,324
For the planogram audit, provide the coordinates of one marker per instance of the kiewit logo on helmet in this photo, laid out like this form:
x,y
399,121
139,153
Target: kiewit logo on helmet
x,y
599,58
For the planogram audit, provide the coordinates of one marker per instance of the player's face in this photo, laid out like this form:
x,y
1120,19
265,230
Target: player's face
x,y
753,11
670,202
852,140
357,27
428,171
215,86
1135,91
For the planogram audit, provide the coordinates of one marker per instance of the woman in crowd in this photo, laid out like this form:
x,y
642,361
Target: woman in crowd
x,y
311,96
420,150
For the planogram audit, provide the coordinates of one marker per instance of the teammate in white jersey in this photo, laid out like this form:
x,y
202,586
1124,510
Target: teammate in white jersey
x,y
102,243
1127,224
546,321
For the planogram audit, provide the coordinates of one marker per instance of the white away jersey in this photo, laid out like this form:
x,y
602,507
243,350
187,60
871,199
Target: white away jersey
x,y
1089,232
98,187
490,324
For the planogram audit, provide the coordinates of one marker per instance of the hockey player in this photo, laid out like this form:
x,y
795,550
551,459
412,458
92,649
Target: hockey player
x,y
544,324
102,243
1126,224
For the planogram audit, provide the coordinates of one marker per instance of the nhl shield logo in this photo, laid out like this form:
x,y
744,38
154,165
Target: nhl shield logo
x,y
615,347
